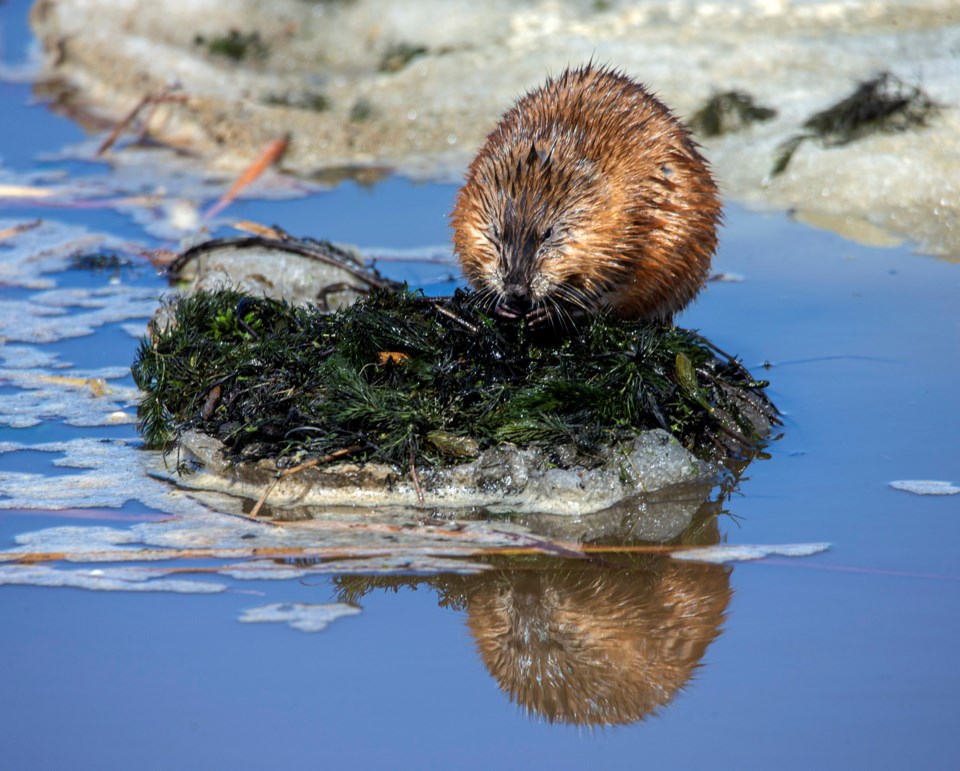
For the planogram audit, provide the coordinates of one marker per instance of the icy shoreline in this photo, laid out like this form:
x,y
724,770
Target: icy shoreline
x,y
323,73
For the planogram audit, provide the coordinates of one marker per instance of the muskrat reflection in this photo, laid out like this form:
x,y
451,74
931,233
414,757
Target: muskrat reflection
x,y
598,648
584,642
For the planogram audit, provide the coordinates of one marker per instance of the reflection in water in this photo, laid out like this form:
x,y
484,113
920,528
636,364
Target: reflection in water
x,y
598,647
584,642
596,641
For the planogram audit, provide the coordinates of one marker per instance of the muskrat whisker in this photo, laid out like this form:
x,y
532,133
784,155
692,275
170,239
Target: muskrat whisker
x,y
578,298
563,316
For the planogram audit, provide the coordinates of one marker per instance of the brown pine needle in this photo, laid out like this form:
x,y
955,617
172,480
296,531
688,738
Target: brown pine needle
x,y
247,226
270,155
16,230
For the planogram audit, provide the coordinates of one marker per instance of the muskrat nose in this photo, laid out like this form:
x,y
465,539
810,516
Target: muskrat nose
x,y
515,302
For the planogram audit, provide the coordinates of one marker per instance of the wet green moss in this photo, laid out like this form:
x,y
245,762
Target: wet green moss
x,y
235,45
398,376
883,104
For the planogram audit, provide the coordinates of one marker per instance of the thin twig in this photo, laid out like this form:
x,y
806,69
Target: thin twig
x,y
414,476
312,463
454,317
340,286
148,99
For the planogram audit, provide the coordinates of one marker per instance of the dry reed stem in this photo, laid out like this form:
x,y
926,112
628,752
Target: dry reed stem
x,y
151,100
270,155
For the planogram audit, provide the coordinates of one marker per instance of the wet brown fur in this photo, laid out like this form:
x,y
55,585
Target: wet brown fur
x,y
588,194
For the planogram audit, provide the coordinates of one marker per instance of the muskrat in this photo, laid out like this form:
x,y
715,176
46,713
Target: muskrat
x,y
589,195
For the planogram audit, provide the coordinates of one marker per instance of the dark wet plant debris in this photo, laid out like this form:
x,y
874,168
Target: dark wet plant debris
x,y
234,45
398,377
362,110
100,261
727,112
306,100
398,56
883,104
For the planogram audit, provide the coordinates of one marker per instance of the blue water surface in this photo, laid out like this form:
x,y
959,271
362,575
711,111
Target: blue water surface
x,y
843,660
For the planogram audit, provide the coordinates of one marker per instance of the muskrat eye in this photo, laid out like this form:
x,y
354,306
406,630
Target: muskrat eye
x,y
547,234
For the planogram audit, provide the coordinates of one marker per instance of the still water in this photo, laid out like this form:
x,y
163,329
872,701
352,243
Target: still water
x,y
840,660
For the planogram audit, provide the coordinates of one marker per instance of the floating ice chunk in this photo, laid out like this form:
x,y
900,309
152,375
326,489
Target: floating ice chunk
x,y
130,579
115,472
29,357
61,314
925,487
74,539
264,570
303,616
77,397
744,552
135,330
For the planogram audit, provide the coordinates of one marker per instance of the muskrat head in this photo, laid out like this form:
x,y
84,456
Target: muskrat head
x,y
523,233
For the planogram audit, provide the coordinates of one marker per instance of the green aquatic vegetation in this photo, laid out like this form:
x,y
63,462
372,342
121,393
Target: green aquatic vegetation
x,y
729,111
402,378
398,56
883,104
235,45
362,110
